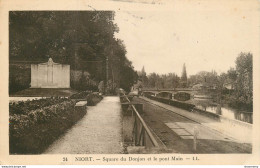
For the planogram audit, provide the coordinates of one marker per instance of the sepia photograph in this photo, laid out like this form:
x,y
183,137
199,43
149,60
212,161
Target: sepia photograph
x,y
163,78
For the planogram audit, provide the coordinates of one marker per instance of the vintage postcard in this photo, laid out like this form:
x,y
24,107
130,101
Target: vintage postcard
x,y
130,82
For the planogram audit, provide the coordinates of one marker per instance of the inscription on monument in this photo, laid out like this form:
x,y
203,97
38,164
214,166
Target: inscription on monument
x,y
50,75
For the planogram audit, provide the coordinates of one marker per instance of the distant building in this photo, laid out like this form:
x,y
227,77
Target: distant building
x,y
50,75
229,86
203,86
198,86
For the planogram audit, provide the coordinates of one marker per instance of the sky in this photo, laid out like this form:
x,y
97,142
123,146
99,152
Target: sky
x,y
205,35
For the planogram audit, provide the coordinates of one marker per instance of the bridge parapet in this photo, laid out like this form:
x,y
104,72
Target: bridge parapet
x,y
180,95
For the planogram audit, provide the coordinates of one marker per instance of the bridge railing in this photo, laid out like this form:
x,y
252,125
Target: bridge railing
x,y
142,136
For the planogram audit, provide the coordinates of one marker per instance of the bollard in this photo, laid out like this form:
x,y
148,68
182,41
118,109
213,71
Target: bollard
x,y
195,136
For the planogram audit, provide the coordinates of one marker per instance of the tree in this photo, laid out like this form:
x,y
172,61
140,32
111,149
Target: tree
x,y
168,81
232,77
82,39
244,79
207,79
152,78
241,96
128,77
143,73
184,77
143,77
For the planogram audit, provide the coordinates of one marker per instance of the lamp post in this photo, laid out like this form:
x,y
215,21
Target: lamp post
x,y
106,91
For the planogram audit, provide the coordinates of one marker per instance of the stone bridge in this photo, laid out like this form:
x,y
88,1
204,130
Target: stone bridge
x,y
181,93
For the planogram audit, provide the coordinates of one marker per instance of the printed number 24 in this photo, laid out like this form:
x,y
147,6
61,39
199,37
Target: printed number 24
x,y
64,159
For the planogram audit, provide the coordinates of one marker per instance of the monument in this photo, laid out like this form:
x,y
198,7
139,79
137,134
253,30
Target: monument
x,y
50,75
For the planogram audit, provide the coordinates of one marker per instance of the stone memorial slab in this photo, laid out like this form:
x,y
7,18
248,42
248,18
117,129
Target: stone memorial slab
x,y
50,75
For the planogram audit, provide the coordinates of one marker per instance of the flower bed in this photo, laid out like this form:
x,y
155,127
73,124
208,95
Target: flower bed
x,y
22,107
33,131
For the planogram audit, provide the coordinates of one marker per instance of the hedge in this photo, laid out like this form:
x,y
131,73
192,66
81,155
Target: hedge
x,y
92,97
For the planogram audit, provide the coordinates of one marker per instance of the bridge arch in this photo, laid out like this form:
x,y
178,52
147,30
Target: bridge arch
x,y
182,96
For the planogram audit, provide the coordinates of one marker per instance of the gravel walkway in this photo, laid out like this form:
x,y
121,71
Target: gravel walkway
x,y
98,132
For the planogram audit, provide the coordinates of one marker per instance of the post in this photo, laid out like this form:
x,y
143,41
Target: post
x,y
106,74
195,136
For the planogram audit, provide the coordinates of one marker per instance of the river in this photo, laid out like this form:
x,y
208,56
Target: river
x,y
225,111
206,103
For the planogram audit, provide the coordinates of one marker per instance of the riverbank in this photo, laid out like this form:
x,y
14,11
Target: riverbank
x,y
226,126
175,128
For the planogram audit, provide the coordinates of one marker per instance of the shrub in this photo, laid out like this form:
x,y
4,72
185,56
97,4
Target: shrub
x,y
92,97
81,95
33,132
25,107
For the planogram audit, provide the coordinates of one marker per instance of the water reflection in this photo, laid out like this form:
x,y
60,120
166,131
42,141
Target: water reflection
x,y
206,103
210,106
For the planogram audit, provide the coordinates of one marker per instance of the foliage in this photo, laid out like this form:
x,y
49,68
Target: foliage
x,y
84,40
244,80
25,107
80,95
184,77
81,81
241,80
19,78
59,35
92,98
154,80
111,87
127,80
34,131
208,79
35,124
234,88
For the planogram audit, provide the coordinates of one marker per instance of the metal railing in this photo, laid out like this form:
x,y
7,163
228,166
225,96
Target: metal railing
x,y
142,136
